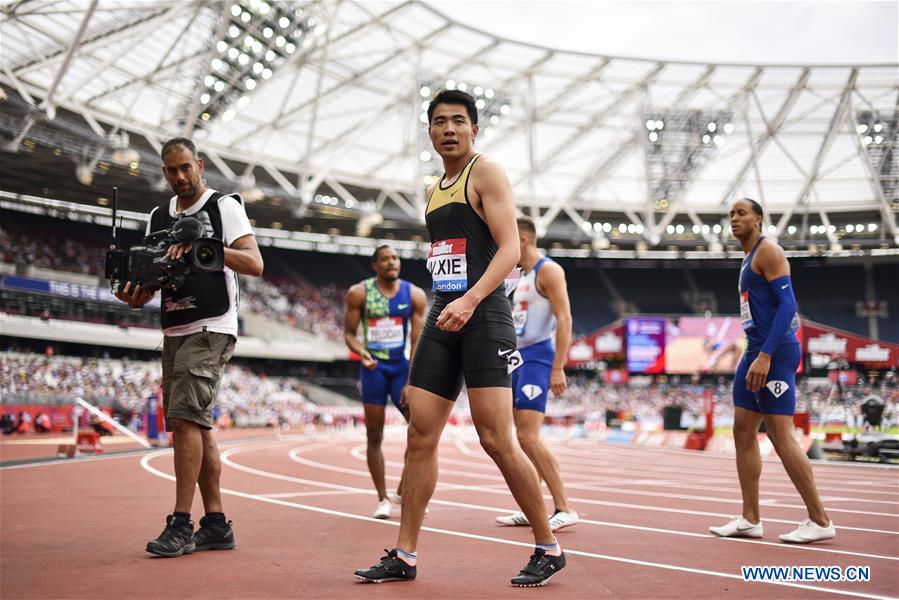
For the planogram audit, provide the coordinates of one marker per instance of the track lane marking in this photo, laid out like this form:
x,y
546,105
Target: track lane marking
x,y
145,464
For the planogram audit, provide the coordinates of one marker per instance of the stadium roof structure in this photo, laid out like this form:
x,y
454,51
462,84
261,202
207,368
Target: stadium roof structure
x,y
319,105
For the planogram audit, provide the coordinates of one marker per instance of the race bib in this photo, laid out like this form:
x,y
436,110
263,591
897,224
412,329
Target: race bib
x,y
745,313
448,266
385,333
520,317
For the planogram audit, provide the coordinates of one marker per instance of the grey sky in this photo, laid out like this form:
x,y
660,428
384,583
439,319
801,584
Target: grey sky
x,y
714,31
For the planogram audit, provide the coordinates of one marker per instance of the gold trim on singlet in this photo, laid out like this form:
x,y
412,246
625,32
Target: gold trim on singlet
x,y
455,193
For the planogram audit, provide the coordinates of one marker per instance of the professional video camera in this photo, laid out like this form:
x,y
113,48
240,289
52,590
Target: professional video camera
x,y
149,266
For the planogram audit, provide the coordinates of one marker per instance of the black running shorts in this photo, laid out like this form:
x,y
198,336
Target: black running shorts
x,y
483,351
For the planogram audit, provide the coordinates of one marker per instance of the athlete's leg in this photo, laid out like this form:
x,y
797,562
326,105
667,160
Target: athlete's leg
x,y
398,380
375,388
778,402
527,424
374,433
428,415
797,465
749,460
491,411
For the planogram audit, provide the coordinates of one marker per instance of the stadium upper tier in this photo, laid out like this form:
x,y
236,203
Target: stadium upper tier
x,y
305,290
314,111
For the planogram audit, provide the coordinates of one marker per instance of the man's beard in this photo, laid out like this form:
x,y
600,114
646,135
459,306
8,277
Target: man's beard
x,y
190,193
390,278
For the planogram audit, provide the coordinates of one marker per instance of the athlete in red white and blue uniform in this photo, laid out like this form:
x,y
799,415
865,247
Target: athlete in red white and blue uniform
x,y
541,312
765,381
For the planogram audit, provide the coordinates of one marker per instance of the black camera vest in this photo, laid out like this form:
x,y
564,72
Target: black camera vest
x,y
203,295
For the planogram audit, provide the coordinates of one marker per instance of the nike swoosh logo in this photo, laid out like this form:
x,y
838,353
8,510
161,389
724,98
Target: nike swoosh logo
x,y
401,306
503,352
454,193
746,528
785,286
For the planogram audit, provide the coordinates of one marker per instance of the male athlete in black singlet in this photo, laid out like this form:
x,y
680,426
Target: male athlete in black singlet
x,y
468,334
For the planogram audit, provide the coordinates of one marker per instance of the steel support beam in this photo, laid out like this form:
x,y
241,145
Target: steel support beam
x,y
833,128
758,149
49,104
885,211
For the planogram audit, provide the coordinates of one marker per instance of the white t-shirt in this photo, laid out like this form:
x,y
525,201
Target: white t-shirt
x,y
235,225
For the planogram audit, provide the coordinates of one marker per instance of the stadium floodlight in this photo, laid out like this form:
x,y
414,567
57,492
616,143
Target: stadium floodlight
x,y
84,174
680,142
251,51
879,134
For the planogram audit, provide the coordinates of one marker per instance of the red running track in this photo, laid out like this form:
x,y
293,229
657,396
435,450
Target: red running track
x,y
302,506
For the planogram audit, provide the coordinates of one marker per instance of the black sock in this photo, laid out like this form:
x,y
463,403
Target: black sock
x,y
216,517
182,515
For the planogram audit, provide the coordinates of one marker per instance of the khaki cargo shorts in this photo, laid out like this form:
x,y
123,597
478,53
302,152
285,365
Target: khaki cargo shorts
x,y
192,367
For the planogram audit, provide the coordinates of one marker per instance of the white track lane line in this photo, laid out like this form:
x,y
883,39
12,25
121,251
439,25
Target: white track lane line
x,y
636,456
630,457
504,491
584,482
643,493
72,461
641,506
771,480
827,464
145,464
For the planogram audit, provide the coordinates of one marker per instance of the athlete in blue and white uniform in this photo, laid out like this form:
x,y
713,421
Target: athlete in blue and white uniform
x,y
542,316
765,381
391,311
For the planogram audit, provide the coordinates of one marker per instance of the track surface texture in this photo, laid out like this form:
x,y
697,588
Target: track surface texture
x,y
302,506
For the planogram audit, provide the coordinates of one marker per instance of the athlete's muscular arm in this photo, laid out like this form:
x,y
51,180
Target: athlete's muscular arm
x,y
493,199
771,261
355,300
551,283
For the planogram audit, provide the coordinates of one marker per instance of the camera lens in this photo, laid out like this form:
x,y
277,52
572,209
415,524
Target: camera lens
x,y
205,255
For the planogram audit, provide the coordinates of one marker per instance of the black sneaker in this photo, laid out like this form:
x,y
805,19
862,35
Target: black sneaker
x,y
214,535
539,570
176,539
391,568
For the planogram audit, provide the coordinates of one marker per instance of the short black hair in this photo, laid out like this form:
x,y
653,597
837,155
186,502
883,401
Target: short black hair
x,y
374,257
178,141
756,208
527,224
454,97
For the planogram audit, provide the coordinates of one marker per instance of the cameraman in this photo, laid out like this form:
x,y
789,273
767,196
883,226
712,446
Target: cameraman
x,y
199,321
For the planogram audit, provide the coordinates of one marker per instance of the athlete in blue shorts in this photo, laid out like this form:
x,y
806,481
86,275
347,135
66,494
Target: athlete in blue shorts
x,y
765,381
541,313
386,306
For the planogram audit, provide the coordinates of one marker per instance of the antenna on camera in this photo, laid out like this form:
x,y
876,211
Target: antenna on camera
x,y
115,206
